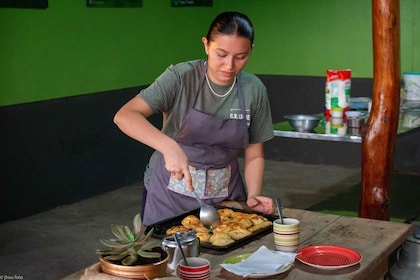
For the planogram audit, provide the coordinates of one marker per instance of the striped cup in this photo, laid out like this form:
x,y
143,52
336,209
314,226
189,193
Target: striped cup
x,y
286,235
197,269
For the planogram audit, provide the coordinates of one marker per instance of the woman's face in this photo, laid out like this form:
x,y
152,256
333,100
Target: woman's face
x,y
227,56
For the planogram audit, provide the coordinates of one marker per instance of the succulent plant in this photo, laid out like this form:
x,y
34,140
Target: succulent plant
x,y
129,244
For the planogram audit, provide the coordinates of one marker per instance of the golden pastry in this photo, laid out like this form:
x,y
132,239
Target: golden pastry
x,y
241,215
259,226
220,239
225,212
221,228
200,228
222,242
175,229
203,236
239,233
266,224
218,235
190,221
258,220
244,223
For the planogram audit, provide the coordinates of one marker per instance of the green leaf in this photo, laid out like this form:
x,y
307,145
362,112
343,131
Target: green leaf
x,y
129,234
132,250
149,234
114,243
116,257
151,244
118,231
138,226
129,260
148,254
110,251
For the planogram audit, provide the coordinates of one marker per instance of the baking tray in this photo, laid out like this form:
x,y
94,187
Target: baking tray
x,y
161,227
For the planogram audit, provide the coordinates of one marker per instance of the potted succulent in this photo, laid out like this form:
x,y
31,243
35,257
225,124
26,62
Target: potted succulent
x,y
133,253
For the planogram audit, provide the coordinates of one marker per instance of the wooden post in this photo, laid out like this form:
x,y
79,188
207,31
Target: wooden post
x,y
380,132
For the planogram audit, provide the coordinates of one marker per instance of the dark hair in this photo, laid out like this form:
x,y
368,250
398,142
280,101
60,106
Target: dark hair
x,y
230,23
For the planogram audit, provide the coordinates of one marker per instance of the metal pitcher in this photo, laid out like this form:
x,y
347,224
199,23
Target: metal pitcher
x,y
189,242
407,266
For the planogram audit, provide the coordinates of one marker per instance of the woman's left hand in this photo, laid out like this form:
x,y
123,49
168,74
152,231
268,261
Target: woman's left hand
x,y
261,204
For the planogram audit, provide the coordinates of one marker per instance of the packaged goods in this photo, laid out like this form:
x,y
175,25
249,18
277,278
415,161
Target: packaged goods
x,y
337,93
335,126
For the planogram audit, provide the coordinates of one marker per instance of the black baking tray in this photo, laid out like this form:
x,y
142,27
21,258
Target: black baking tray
x,y
161,227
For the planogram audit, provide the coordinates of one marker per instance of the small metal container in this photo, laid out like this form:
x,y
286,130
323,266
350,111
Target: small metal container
x,y
189,242
354,131
355,122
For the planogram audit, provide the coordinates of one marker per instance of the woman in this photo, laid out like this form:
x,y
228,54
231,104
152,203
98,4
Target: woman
x,y
204,104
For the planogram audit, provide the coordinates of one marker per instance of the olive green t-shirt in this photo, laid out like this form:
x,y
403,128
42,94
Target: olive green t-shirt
x,y
173,92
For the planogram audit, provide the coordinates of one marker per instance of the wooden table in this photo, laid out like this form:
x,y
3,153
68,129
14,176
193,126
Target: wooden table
x,y
376,240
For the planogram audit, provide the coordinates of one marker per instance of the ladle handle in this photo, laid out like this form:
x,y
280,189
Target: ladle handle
x,y
278,205
198,198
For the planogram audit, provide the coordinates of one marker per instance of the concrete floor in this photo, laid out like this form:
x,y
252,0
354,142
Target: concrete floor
x,y
59,242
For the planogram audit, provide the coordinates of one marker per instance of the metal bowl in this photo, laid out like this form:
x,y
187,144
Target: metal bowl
x,y
303,123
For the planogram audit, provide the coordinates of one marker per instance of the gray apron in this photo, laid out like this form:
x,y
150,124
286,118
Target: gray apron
x,y
212,146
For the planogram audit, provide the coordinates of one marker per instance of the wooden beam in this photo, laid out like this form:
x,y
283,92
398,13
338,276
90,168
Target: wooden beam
x,y
380,132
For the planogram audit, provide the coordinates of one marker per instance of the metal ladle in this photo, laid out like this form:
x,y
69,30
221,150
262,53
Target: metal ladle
x,y
278,205
208,214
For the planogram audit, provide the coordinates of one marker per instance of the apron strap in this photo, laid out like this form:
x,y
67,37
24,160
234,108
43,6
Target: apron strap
x,y
242,104
200,84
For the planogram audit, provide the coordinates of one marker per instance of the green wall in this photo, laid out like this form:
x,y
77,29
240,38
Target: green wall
x,y
306,37
68,49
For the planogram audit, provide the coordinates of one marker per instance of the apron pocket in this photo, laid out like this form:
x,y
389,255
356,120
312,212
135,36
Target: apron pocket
x,y
217,182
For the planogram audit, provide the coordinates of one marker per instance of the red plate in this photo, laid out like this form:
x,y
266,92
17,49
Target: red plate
x,y
328,256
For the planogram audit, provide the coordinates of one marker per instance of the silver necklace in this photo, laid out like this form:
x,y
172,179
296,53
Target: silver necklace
x,y
215,93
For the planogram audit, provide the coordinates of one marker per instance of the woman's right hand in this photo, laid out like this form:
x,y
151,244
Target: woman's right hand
x,y
132,120
176,162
